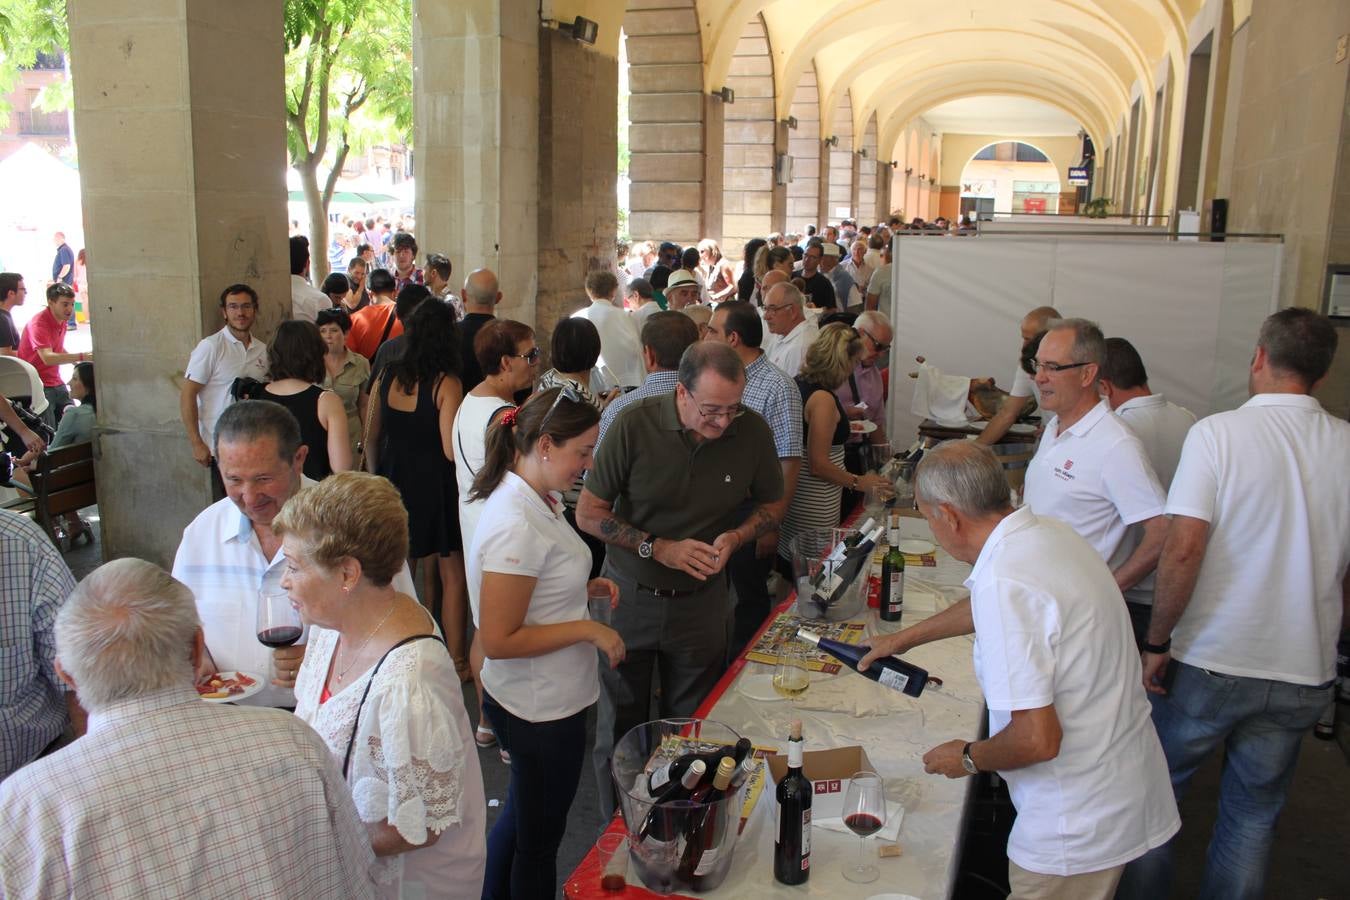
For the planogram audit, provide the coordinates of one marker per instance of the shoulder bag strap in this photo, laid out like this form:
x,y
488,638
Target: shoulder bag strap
x,y
356,722
370,412
388,327
459,439
853,386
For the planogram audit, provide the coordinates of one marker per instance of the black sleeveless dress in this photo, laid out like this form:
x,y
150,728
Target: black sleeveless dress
x,y
412,458
305,407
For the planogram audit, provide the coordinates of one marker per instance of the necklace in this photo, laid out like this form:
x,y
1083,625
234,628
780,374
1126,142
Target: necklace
x,y
357,655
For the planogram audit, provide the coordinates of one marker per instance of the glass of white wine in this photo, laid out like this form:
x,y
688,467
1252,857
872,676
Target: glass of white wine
x,y
790,676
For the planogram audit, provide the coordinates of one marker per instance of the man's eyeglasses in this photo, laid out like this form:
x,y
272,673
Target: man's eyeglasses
x,y
530,358
238,307
776,307
881,348
729,413
567,392
1056,367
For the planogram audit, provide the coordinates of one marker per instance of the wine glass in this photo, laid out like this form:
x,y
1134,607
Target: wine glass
x,y
864,813
278,621
790,677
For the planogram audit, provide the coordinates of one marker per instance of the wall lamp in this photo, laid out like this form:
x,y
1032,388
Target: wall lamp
x,y
893,164
582,29
863,153
909,171
832,141
791,122
727,95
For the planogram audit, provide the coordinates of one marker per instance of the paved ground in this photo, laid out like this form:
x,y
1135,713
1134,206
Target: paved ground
x,y
1310,850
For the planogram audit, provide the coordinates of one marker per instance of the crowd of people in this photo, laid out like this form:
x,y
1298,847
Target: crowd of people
x,y
592,521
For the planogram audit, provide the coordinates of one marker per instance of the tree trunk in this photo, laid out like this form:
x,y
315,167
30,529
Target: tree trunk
x,y
318,223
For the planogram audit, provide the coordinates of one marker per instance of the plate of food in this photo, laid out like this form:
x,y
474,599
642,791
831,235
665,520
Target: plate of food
x,y
228,687
916,547
862,426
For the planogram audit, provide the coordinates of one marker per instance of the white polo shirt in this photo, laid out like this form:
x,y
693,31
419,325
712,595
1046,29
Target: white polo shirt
x,y
1050,629
620,349
223,564
1096,478
519,533
215,363
1161,427
787,350
1272,479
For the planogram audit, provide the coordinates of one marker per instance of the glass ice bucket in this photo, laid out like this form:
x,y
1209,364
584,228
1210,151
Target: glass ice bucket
x,y
683,846
809,551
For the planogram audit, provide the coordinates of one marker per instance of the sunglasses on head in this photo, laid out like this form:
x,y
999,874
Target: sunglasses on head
x,y
566,392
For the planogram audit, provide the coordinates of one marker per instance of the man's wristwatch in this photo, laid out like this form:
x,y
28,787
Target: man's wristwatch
x,y
1158,649
645,548
967,763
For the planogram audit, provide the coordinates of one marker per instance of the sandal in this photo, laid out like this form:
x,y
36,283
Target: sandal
x,y
506,757
484,737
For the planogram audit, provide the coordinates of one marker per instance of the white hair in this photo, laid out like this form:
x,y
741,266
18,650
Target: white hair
x,y
126,630
964,475
874,318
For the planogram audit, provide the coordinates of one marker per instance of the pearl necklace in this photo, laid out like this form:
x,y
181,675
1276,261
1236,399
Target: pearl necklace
x,y
357,655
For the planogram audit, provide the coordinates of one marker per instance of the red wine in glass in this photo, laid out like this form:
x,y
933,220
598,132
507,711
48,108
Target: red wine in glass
x,y
280,636
863,824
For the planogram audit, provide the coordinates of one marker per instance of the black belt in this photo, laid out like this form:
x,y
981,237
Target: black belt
x,y
666,592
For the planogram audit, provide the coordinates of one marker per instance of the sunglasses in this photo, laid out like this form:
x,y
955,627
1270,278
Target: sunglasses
x,y
530,358
567,392
881,348
1057,367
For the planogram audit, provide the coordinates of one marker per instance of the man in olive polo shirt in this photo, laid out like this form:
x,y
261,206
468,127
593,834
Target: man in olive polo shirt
x,y
666,494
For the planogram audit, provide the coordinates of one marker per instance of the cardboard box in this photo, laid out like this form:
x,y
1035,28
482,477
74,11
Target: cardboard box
x,y
830,772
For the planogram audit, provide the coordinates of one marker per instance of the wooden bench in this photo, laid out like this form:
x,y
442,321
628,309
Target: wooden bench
x,y
63,482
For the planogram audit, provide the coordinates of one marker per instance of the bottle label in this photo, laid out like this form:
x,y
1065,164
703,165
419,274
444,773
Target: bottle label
x,y
795,754
893,679
706,863
806,838
661,777
895,592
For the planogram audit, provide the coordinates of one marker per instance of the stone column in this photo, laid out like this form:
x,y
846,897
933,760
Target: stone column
x,y
823,217
855,185
180,112
883,179
476,130
713,215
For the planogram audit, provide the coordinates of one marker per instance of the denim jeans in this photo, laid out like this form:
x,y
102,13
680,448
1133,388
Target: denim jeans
x,y
546,760
1260,725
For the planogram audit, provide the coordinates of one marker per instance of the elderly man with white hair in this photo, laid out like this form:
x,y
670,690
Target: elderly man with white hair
x,y
167,795
1069,726
792,332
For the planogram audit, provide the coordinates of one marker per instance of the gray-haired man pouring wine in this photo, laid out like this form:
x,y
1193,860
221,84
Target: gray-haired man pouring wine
x,y
1054,654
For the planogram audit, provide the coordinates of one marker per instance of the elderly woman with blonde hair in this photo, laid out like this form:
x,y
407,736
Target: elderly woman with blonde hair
x,y
380,688
716,271
826,365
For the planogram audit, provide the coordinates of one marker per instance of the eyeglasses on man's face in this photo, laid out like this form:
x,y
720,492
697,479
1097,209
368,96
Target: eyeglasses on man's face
x,y
1056,367
712,412
775,307
881,348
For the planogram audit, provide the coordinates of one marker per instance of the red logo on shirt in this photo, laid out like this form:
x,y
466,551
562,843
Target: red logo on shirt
x,y
1068,464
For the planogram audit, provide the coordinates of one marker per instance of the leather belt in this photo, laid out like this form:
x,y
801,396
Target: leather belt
x,y
666,592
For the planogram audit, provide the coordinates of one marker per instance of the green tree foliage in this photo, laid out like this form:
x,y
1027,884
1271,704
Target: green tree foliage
x,y
348,85
27,28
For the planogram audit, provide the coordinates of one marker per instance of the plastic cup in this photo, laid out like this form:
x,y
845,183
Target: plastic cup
x,y
612,849
600,606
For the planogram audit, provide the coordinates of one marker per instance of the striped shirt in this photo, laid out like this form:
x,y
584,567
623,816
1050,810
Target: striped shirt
x,y
34,582
168,796
775,396
656,383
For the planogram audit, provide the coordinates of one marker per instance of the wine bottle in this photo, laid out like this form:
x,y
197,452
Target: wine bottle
x,y
832,589
904,677
792,846
893,578
838,553
662,777
854,537
662,827
703,832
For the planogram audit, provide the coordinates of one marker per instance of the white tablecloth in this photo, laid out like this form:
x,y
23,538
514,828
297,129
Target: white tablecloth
x,y
895,731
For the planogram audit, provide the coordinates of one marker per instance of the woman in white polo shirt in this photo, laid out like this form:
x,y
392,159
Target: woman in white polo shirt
x,y
539,676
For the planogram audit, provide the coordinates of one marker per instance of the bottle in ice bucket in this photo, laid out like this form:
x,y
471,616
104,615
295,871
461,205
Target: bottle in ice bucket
x,y
662,777
836,577
660,830
893,577
887,670
703,832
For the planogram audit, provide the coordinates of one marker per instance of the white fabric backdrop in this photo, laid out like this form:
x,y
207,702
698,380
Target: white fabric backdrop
x,y
1191,309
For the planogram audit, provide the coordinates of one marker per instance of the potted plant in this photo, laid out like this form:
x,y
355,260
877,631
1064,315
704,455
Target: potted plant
x,y
1097,207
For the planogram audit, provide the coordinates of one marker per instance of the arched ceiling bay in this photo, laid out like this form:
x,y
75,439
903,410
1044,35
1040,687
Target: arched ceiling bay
x,y
899,58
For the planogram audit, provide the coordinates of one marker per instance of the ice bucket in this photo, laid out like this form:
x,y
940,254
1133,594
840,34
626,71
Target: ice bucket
x,y
809,550
683,846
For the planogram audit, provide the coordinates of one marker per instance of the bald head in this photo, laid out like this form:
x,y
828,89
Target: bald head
x,y
772,277
481,293
1038,320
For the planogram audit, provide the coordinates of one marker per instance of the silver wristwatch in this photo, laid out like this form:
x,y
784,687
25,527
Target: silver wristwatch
x,y
645,548
967,763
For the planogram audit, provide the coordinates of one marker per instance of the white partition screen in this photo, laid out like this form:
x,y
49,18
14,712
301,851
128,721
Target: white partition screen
x,y
1191,309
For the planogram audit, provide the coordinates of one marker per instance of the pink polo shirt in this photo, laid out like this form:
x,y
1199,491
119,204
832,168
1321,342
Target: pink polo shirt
x,y
43,331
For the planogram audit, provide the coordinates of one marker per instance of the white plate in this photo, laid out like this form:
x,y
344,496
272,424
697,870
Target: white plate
x,y
258,684
892,897
862,426
915,547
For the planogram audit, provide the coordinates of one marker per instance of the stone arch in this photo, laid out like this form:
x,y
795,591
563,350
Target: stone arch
x,y
1005,203
668,134
748,137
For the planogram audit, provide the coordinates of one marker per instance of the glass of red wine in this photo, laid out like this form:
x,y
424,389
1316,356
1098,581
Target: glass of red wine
x,y
864,813
278,622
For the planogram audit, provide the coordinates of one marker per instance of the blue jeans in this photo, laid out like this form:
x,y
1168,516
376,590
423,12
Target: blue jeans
x,y
546,759
1260,724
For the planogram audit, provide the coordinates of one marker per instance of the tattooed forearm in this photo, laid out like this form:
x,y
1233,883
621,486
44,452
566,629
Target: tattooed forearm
x,y
614,530
761,521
